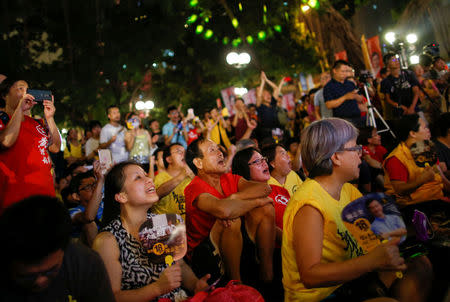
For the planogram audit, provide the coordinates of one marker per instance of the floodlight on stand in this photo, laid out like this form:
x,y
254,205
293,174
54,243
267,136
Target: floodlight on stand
x,y
390,37
305,8
140,105
240,91
149,105
232,58
414,59
244,58
411,38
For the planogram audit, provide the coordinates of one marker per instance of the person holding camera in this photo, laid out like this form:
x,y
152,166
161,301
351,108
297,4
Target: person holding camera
x,y
401,88
174,131
25,165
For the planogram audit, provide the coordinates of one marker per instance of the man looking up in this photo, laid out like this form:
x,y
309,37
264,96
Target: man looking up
x,y
215,200
174,130
92,144
401,88
170,184
112,136
25,166
341,94
40,263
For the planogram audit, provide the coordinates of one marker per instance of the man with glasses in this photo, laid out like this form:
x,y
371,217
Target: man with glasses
x,y
215,202
401,88
40,263
341,95
170,184
87,190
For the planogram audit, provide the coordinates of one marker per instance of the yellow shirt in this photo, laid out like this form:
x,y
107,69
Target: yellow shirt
x,y
338,244
292,183
219,133
174,202
75,151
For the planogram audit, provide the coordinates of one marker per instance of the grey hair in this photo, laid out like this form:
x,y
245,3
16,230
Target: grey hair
x,y
321,140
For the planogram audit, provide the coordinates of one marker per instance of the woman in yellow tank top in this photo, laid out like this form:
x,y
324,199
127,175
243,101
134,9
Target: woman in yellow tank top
x,y
319,253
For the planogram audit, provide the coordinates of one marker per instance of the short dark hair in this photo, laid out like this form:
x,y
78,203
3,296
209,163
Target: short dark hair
x,y
339,63
93,124
193,151
77,179
435,59
111,107
240,162
151,121
6,85
270,152
425,60
168,153
171,108
34,228
387,57
406,124
364,134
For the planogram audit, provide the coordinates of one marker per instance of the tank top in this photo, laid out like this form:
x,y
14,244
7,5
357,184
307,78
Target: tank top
x,y
141,150
137,270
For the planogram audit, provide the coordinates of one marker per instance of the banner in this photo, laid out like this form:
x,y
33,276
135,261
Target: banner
x,y
288,102
376,56
250,97
342,55
228,98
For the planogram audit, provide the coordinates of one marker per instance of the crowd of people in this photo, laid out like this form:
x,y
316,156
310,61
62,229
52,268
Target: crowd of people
x,y
261,192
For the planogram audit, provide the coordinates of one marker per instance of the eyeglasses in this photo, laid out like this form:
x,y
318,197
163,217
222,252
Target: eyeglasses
x,y
357,148
89,187
258,161
29,278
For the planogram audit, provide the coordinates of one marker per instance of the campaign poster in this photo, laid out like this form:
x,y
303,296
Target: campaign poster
x,y
375,55
229,99
164,238
250,97
288,101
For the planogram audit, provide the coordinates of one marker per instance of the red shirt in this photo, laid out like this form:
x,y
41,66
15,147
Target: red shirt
x,y
378,155
198,222
192,135
280,197
25,168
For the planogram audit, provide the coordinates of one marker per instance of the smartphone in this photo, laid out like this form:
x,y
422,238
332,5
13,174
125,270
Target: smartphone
x,y
40,95
105,159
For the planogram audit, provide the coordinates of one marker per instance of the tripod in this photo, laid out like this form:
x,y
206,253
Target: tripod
x,y
371,111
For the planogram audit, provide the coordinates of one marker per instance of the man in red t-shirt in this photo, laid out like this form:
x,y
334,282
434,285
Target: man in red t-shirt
x,y
25,166
215,201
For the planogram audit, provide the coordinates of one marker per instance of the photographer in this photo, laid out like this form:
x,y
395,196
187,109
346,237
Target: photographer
x,y
174,131
25,166
401,88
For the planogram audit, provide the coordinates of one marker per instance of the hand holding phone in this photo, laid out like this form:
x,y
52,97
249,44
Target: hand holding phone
x,y
105,159
40,95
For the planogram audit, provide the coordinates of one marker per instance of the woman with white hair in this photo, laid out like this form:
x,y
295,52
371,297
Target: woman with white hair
x,y
319,253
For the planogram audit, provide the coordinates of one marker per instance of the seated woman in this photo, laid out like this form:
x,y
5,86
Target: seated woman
x,y
321,258
373,153
408,175
251,165
129,194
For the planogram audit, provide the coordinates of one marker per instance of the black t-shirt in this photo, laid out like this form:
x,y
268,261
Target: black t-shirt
x,y
334,90
400,89
443,153
82,277
268,115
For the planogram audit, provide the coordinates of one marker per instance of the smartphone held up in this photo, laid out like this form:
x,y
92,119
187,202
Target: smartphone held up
x,y
40,95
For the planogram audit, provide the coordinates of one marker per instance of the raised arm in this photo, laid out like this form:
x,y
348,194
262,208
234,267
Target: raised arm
x,y
260,90
228,208
167,187
49,113
9,135
308,237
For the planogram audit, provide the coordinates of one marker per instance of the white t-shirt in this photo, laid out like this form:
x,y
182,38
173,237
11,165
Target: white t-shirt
x,y
91,145
118,151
